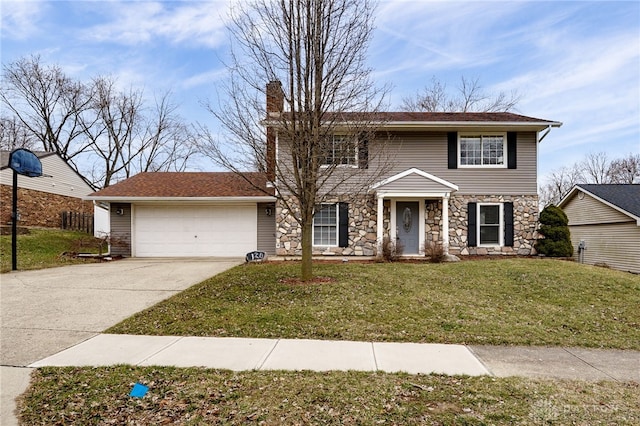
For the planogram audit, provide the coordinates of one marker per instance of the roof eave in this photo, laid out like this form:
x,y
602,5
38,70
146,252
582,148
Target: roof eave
x,y
126,199
523,125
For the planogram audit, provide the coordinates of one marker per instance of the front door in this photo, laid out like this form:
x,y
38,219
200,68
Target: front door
x,y
407,226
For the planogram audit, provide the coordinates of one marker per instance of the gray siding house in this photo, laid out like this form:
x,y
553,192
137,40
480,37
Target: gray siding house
x,y
465,181
606,219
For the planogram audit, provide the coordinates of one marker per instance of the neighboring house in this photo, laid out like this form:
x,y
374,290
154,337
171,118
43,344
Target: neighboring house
x,y
190,214
42,199
467,181
606,219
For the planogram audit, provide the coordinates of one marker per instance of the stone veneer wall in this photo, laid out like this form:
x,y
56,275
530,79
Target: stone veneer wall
x,y
37,208
363,216
525,224
362,230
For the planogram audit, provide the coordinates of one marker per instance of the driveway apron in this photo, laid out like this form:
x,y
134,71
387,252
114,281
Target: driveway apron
x,y
46,311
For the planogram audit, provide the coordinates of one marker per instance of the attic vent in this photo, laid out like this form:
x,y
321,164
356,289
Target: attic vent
x,y
580,195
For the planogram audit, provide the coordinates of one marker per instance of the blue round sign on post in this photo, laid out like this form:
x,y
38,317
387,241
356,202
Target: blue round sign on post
x,y
25,162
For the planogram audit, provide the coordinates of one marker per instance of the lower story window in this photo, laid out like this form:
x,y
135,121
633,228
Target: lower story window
x,y
490,224
325,225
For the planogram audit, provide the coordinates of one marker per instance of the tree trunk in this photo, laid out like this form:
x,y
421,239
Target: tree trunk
x,y
306,270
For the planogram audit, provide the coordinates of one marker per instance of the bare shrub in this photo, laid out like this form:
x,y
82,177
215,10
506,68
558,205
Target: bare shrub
x,y
391,250
434,252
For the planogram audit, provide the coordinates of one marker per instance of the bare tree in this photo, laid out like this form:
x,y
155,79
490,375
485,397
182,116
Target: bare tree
x,y
168,142
470,97
625,170
47,103
317,49
127,137
112,126
559,183
594,168
13,134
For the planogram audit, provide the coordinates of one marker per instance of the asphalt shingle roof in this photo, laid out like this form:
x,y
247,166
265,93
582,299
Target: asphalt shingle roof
x,y
188,184
434,117
626,197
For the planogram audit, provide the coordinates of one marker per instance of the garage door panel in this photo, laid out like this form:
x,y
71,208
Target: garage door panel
x,y
179,231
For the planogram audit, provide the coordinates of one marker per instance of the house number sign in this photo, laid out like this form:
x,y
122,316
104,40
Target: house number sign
x,y
255,256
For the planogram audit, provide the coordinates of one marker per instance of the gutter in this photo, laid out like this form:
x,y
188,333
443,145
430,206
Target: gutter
x,y
248,199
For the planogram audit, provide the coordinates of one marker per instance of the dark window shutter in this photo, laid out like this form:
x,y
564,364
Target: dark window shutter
x,y
363,153
343,228
452,149
472,224
512,149
508,224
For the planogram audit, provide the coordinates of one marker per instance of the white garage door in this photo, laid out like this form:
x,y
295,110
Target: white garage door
x,y
194,231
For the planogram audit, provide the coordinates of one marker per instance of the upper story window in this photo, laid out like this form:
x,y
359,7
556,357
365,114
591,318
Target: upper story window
x,y
341,151
482,150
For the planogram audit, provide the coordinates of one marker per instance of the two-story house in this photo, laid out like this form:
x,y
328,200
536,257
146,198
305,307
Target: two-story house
x,y
467,181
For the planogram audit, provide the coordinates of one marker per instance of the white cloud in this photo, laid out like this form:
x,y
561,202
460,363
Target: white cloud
x,y
19,19
197,23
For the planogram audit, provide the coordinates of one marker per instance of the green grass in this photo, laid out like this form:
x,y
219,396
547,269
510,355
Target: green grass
x,y
92,396
503,302
42,248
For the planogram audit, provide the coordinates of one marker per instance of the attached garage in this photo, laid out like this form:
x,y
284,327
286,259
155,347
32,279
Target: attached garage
x,y
194,231
190,215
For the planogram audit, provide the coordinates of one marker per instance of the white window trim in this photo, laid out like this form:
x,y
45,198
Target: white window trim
x,y
484,166
313,227
500,226
356,160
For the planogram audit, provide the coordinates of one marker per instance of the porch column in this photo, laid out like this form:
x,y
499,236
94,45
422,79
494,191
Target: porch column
x,y
380,222
445,223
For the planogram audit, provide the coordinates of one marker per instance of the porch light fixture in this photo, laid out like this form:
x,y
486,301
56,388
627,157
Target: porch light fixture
x,y
268,211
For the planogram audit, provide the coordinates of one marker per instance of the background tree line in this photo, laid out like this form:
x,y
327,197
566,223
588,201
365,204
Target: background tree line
x,y
593,168
102,131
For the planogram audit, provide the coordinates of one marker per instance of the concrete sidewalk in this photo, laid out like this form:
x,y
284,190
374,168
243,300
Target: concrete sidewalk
x,y
322,355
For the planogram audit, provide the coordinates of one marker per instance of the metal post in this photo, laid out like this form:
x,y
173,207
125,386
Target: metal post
x,y
14,224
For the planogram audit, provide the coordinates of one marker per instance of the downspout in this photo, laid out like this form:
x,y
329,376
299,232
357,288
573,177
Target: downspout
x,y
544,135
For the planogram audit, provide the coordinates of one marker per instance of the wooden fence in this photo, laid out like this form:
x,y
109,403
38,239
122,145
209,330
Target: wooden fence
x,y
75,221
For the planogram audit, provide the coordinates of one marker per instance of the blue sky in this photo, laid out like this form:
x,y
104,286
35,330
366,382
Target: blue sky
x,y
574,62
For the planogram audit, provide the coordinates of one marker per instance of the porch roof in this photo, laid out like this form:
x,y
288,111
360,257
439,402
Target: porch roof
x,y
414,182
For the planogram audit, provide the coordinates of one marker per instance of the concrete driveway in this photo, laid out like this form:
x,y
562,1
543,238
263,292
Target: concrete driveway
x,y
43,312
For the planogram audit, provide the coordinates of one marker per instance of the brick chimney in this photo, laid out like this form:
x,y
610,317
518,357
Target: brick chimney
x,y
275,105
275,98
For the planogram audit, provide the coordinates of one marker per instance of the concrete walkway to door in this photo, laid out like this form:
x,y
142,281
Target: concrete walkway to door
x,y
46,311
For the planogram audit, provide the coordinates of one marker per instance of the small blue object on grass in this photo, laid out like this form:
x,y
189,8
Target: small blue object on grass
x,y
138,390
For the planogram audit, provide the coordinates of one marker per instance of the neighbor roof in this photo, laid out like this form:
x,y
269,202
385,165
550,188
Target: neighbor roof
x,y
154,185
625,197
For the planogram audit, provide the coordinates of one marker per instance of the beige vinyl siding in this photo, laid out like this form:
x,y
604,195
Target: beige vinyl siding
x,y
611,236
617,245
427,151
63,180
267,228
120,230
415,183
589,210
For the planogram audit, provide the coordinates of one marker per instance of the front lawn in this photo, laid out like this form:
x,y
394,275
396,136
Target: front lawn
x,y
502,302
45,248
92,396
